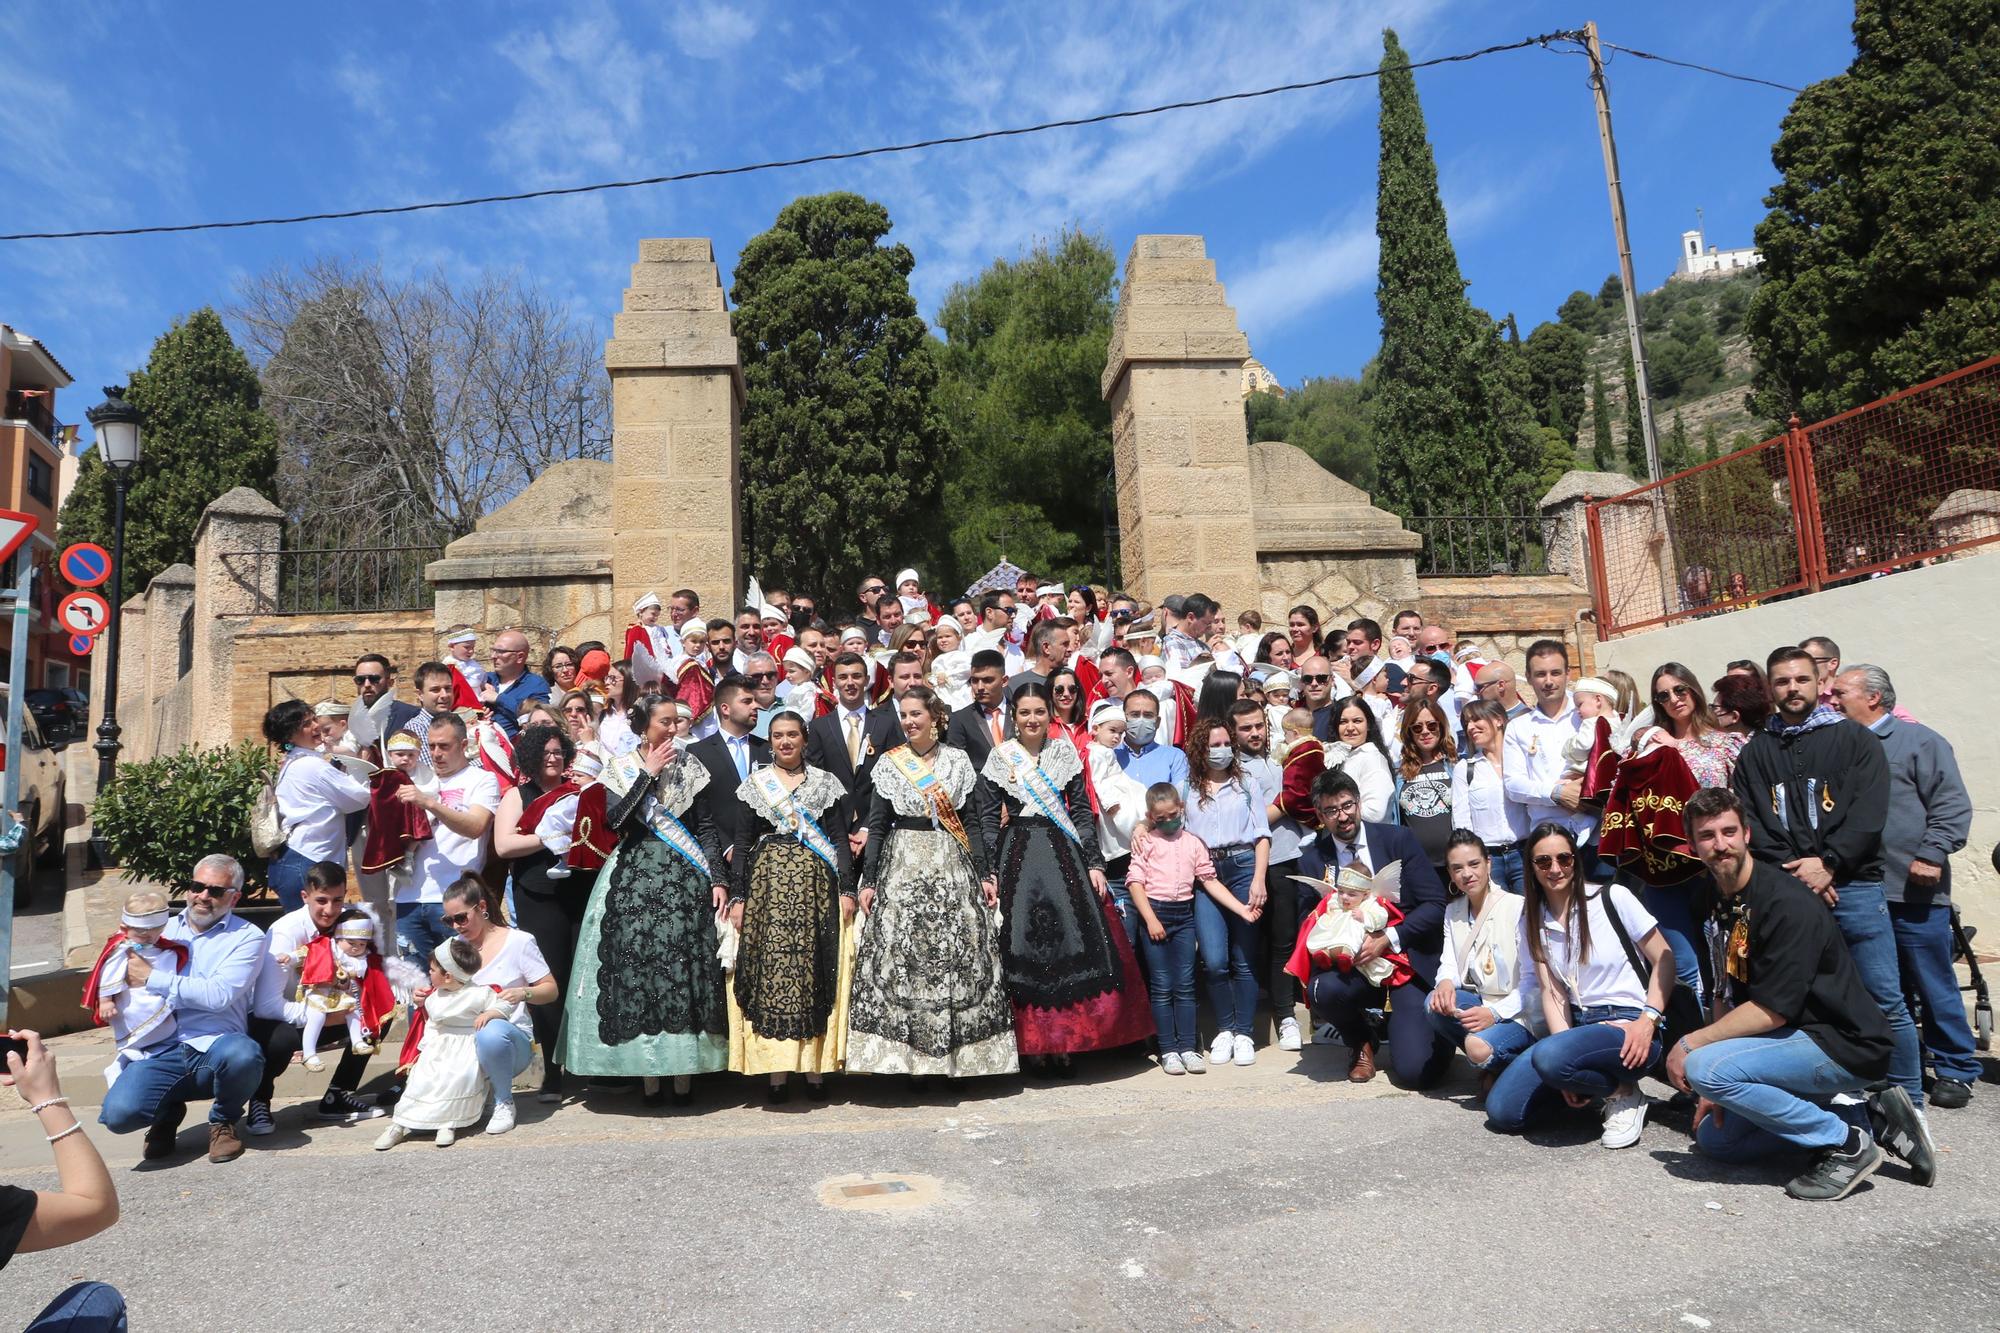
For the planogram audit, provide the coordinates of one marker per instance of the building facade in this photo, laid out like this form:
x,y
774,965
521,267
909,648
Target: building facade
x,y
1699,260
38,466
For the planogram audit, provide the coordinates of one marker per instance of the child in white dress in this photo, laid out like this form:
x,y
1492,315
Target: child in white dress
x,y
447,1090
141,1019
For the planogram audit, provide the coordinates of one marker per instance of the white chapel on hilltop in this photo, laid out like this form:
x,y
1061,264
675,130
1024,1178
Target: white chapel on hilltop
x,y
1701,261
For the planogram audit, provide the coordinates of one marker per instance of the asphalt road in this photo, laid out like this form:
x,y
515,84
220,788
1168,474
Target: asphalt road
x,y
38,928
1277,1197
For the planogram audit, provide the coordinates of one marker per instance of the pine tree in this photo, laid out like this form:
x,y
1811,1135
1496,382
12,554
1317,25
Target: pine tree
x,y
204,433
843,445
1603,454
1453,428
1635,426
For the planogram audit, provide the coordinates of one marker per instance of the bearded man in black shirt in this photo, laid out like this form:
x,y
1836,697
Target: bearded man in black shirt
x,y
1794,1027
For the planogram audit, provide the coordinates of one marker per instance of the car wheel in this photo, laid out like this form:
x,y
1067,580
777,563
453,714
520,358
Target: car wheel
x,y
49,855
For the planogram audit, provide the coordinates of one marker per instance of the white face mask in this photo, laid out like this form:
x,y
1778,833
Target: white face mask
x,y
1221,756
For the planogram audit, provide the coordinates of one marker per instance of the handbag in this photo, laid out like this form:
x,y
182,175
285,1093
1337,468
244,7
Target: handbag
x,y
1684,1013
267,831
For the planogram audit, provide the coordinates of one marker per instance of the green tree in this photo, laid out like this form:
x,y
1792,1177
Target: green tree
x,y
204,434
1581,312
843,447
1635,426
1328,417
1558,456
1447,393
1882,247
1675,456
1603,455
1023,354
1556,355
1711,441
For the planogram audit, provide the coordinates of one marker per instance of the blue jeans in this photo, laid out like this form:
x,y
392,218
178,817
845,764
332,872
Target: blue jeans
x,y
1771,1089
1583,1059
1923,945
1508,1039
87,1307
1863,917
420,928
287,873
1170,976
166,1080
504,1051
1228,945
1673,908
1508,870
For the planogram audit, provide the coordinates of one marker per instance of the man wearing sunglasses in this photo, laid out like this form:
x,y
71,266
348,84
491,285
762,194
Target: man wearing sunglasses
x,y
761,670
213,1052
1320,688
871,591
375,678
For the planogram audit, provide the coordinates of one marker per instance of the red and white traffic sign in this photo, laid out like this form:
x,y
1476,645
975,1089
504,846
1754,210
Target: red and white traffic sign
x,y
15,529
84,613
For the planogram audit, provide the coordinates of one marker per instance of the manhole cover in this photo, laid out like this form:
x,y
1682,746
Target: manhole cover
x,y
877,1191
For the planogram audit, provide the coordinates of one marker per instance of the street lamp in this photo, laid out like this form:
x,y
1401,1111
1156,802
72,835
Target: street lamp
x,y
115,422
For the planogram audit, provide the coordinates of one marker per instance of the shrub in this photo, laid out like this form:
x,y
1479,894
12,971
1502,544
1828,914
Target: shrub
x,y
161,816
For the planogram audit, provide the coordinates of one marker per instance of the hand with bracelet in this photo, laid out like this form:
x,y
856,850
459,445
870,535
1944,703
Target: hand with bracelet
x,y
87,1203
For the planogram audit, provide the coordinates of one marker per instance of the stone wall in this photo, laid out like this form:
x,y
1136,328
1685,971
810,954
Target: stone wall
x,y
1503,615
312,658
1322,544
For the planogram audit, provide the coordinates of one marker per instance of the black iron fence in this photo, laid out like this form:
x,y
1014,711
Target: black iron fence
x,y
334,580
1480,544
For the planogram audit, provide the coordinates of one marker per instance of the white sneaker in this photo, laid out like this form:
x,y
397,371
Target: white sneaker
x,y
1246,1051
1624,1119
1171,1063
391,1136
1288,1035
1192,1062
447,1137
502,1118
1222,1048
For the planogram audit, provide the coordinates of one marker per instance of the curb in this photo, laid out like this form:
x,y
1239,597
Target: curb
x,y
49,1003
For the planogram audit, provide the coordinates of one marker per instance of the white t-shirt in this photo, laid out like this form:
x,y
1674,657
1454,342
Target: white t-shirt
x,y
519,963
445,855
1606,976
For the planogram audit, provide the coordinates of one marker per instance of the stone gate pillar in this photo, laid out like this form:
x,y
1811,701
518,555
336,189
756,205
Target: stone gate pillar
x,y
676,411
1174,378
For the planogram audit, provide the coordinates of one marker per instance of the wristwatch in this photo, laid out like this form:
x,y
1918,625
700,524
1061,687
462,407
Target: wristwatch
x,y
1649,1011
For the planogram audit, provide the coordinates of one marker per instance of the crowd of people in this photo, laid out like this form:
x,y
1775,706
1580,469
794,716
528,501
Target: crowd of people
x,y
1037,822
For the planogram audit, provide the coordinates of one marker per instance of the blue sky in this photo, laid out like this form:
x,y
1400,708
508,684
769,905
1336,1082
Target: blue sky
x,y
142,113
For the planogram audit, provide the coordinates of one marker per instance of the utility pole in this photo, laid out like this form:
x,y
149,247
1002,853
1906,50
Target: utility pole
x,y
1613,184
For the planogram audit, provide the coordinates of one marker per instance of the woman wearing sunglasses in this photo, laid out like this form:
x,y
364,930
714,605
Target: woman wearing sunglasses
x,y
1603,1017
511,962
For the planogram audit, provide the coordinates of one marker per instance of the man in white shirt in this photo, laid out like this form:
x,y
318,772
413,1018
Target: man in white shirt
x,y
1532,760
277,1014
460,798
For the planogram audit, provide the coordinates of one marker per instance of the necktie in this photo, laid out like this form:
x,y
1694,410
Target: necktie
x,y
741,748
1351,852
854,740
993,725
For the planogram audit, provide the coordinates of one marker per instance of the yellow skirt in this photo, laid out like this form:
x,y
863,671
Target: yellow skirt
x,y
824,1054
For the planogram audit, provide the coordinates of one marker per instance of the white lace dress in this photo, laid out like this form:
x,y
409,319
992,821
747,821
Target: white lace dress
x,y
446,1088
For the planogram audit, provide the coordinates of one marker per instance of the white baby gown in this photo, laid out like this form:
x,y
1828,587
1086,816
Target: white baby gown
x,y
446,1088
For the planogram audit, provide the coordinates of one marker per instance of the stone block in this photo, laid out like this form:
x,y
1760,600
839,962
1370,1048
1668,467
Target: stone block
x,y
1233,345
688,274
676,249
691,502
634,353
672,325
642,451
1164,246
1215,318
1175,294
1141,269
1227,543
702,351
675,296
1221,441
1162,442
666,396
704,451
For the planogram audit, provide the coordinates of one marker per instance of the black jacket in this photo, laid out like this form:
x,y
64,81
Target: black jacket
x,y
967,731
1822,792
826,747
718,798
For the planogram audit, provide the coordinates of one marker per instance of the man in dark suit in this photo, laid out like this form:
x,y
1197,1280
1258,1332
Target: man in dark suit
x,y
848,740
375,677
973,728
1416,1053
729,755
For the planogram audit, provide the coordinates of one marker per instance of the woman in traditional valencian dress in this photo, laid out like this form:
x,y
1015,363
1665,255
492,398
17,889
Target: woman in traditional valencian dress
x,y
1070,970
929,993
646,990
791,898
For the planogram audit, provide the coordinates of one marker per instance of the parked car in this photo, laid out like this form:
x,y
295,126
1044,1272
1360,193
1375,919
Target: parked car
x,y
64,715
44,797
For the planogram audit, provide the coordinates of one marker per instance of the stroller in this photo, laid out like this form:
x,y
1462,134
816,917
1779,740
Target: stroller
x,y
1961,952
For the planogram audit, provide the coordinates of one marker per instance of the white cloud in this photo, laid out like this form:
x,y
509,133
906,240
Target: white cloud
x,y
361,83
1296,274
710,31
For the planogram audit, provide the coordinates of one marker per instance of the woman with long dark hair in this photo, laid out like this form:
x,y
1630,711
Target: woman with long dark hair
x,y
1603,1015
1302,627
1071,973
1479,798
1219,689
1068,715
315,797
1229,813
1274,649
1423,787
1357,751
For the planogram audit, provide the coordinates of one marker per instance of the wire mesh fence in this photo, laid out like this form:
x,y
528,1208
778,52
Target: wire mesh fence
x,y
1900,482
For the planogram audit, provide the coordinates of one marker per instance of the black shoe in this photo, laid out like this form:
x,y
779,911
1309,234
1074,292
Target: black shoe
x,y
684,1098
160,1138
347,1108
1836,1172
1900,1128
657,1097
1950,1093
815,1092
777,1094
919,1082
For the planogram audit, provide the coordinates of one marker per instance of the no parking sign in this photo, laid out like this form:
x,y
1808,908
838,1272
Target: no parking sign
x,y
85,564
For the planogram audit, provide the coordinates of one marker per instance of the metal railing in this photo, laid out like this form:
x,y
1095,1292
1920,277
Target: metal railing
x,y
1481,544
335,580
1900,482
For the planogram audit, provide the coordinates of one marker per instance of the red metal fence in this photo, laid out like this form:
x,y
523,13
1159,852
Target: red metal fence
x,y
1901,482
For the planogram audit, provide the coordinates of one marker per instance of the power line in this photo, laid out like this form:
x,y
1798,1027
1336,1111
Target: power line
x,y
848,156
1705,69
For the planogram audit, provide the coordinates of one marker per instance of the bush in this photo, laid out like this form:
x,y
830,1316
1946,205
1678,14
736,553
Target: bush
x,y
161,816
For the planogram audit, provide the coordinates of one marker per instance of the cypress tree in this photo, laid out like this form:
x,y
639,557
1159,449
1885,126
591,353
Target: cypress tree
x,y
1635,427
1454,432
1603,456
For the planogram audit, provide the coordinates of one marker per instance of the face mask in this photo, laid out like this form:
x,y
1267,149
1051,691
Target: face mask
x,y
1139,730
1220,756
1169,825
